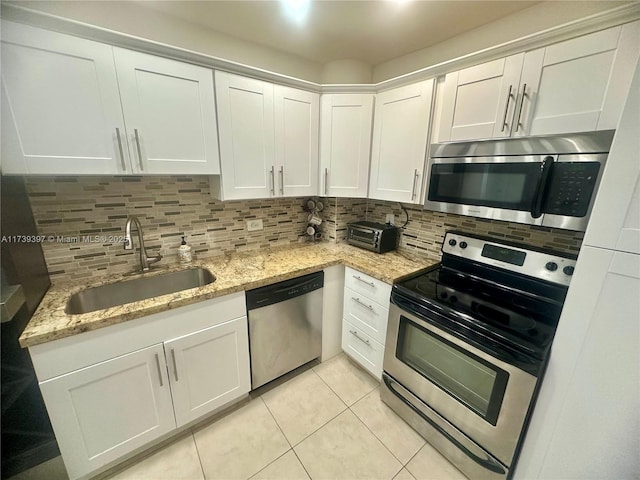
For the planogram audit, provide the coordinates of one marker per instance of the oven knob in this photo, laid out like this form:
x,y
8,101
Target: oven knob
x,y
551,266
453,299
452,242
463,245
568,270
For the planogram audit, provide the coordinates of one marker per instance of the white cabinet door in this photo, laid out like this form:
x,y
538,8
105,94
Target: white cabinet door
x,y
345,138
104,411
169,108
208,369
296,116
479,102
400,131
578,85
245,124
615,220
60,105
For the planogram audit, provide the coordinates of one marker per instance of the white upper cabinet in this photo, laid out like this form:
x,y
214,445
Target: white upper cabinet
x,y
296,114
480,101
345,139
400,136
573,86
245,125
68,108
169,110
268,139
60,105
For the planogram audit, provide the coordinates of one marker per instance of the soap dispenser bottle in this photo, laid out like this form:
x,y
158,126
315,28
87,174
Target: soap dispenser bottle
x,y
184,252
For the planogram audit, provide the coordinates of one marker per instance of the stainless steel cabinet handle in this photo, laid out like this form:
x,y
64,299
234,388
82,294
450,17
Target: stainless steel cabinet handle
x,y
281,179
326,180
506,109
357,300
415,178
159,369
355,334
524,94
175,365
371,284
273,181
124,166
135,132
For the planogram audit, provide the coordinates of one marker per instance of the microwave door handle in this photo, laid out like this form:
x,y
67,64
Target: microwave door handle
x,y
538,198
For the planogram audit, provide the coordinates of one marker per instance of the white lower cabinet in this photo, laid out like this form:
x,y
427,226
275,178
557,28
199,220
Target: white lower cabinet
x,y
104,411
365,315
207,369
111,392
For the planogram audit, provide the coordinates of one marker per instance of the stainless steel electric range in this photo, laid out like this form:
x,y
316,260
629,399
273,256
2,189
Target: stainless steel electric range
x,y
467,345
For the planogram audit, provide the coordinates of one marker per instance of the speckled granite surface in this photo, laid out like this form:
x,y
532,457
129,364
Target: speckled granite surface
x,y
235,272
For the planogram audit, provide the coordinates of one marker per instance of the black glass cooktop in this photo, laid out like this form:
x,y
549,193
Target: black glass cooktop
x,y
501,311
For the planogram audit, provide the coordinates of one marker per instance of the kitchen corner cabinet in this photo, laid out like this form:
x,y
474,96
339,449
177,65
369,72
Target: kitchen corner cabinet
x,y
268,139
111,392
73,106
365,315
399,146
345,140
573,86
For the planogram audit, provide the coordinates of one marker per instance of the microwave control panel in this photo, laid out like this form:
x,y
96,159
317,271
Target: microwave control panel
x,y
571,187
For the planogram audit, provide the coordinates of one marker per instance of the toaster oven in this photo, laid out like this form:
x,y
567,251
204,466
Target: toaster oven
x,y
377,237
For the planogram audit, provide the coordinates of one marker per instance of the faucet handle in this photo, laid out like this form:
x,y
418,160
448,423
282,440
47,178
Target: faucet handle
x,y
154,258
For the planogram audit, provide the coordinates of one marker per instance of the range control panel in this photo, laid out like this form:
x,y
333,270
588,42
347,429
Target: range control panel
x,y
517,258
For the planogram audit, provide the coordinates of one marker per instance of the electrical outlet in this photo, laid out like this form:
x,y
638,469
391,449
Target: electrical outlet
x,y
390,218
253,225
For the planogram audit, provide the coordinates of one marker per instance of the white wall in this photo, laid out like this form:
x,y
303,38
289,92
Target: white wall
x,y
132,19
525,22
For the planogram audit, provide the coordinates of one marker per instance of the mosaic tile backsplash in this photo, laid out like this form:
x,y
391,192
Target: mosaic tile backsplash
x,y
83,220
425,230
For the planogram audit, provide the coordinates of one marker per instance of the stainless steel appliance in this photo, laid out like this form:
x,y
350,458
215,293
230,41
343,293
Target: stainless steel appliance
x,y
27,436
285,326
549,181
467,345
377,237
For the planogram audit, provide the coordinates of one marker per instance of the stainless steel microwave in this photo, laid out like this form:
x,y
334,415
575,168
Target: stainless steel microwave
x,y
549,181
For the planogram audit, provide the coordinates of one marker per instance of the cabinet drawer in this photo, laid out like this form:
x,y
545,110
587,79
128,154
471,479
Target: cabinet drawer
x,y
366,315
362,348
364,284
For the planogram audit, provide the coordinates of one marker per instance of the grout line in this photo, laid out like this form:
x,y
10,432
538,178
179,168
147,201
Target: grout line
x,y
275,420
204,475
270,463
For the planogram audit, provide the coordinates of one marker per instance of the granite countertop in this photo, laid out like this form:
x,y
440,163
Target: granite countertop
x,y
235,272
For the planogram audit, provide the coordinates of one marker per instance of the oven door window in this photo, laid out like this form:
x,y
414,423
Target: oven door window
x,y
511,186
468,378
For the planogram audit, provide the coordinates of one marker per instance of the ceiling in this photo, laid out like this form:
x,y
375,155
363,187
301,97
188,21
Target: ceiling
x,y
371,31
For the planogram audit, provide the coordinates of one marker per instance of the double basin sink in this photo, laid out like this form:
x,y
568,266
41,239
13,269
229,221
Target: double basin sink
x,y
120,293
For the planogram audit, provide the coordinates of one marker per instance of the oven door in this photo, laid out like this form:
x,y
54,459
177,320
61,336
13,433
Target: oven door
x,y
502,188
484,397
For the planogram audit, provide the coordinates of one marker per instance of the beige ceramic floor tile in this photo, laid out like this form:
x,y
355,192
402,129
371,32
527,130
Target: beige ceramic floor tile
x,y
302,405
178,461
392,431
287,467
428,464
404,475
348,381
240,444
346,449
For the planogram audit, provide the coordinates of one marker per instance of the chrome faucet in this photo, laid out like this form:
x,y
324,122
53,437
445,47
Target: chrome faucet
x,y
145,260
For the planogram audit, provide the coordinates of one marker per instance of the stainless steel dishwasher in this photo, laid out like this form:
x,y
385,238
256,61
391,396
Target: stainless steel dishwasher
x,y
285,326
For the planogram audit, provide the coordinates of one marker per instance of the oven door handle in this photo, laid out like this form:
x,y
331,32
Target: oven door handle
x,y
541,188
487,463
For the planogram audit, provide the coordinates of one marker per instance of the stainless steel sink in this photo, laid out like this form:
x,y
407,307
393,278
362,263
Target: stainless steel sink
x,y
113,294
